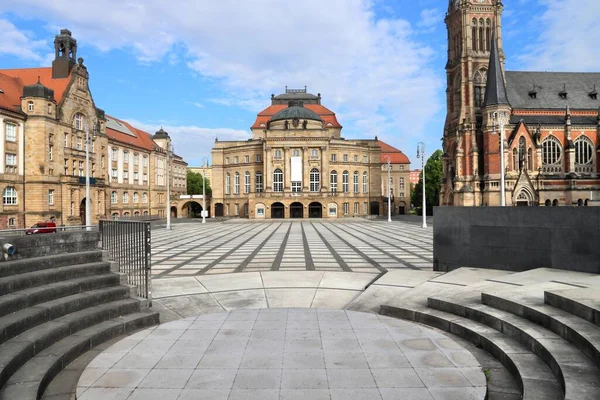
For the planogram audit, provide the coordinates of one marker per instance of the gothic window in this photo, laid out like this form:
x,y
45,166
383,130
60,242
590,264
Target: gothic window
x,y
488,34
529,159
479,82
515,160
474,35
277,180
314,180
345,179
481,38
584,154
521,151
552,155
333,181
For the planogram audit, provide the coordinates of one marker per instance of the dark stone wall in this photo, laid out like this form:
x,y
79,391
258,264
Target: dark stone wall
x,y
517,238
51,243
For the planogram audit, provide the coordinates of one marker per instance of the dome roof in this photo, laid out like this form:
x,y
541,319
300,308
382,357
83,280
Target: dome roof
x,y
161,134
296,110
38,90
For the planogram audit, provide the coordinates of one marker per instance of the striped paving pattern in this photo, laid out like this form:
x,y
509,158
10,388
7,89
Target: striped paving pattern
x,y
245,246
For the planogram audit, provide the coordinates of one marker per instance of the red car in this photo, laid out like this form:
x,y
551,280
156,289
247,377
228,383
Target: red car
x,y
42,227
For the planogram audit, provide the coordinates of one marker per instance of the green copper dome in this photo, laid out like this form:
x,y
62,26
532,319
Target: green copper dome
x,y
296,110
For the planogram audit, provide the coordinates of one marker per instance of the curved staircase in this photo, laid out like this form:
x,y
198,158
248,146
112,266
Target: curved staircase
x,y
542,325
55,308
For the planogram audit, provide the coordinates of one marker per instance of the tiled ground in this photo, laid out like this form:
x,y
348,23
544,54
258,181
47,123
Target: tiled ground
x,y
284,354
236,246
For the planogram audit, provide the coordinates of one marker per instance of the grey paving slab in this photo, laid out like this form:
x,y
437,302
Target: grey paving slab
x,y
285,353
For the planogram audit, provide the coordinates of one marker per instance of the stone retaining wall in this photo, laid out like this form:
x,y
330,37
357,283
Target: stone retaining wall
x,y
517,238
51,243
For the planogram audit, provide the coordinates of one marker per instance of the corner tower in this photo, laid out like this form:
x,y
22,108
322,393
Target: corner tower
x,y
65,54
470,24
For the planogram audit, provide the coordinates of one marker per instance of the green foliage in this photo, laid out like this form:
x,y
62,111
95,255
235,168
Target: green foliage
x,y
433,183
194,183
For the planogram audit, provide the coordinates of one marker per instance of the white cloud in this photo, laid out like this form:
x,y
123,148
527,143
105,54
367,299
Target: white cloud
x,y
431,17
20,44
374,72
187,138
568,39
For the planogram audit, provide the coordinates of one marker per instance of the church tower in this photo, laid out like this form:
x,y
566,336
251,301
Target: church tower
x,y
470,24
65,54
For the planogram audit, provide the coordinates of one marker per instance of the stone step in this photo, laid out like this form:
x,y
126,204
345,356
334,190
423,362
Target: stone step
x,y
15,283
583,302
582,334
535,379
30,381
13,302
18,322
8,268
18,350
578,375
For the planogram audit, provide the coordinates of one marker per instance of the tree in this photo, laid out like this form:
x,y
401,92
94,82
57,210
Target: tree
x,y
194,183
433,183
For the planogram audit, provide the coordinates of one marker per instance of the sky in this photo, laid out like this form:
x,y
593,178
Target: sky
x,y
203,69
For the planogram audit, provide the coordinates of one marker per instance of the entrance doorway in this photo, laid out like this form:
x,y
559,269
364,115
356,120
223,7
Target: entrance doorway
x,y
173,212
277,210
315,210
192,208
374,208
219,210
296,210
82,212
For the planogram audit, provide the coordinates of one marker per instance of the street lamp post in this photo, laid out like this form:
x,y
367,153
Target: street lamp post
x,y
204,163
501,118
389,187
421,147
88,211
168,188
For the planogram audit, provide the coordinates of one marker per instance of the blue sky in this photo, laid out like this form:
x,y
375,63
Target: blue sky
x,y
204,69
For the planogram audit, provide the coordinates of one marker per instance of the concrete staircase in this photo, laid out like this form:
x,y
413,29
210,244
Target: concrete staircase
x,y
55,308
543,325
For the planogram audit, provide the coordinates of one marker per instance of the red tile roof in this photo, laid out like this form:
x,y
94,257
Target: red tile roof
x,y
28,76
326,114
396,156
12,90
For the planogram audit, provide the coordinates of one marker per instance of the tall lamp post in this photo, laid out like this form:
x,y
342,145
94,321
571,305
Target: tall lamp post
x,y
421,147
204,163
88,203
169,149
389,187
501,118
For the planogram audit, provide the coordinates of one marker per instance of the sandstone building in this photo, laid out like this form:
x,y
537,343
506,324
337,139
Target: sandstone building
x,y
298,165
552,132
44,116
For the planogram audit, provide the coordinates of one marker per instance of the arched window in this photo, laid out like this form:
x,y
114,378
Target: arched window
x,y
227,183
145,213
548,203
125,197
247,182
333,181
474,35
11,222
144,197
136,197
529,159
355,181
78,121
9,196
584,154
365,183
488,34
315,180
345,181
515,157
136,214
278,180
551,155
113,198
481,37
236,183
479,81
555,203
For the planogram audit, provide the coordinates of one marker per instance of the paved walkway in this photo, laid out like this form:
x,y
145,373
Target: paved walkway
x,y
284,354
352,245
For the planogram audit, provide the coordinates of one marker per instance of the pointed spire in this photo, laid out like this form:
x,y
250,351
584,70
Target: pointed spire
x,y
495,90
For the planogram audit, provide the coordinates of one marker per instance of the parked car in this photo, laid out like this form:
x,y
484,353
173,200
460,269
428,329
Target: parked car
x,y
42,227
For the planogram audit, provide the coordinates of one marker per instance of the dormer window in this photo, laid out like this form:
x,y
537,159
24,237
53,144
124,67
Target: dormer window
x,y
533,93
593,94
563,93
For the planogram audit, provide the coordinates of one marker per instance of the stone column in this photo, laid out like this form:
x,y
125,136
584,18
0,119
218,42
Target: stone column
x,y
305,169
286,171
268,167
324,169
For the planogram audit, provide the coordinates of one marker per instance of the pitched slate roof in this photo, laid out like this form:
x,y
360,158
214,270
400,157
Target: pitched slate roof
x,y
495,90
552,120
396,156
547,85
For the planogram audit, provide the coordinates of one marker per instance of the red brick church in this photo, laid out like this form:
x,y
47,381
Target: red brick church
x,y
551,122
